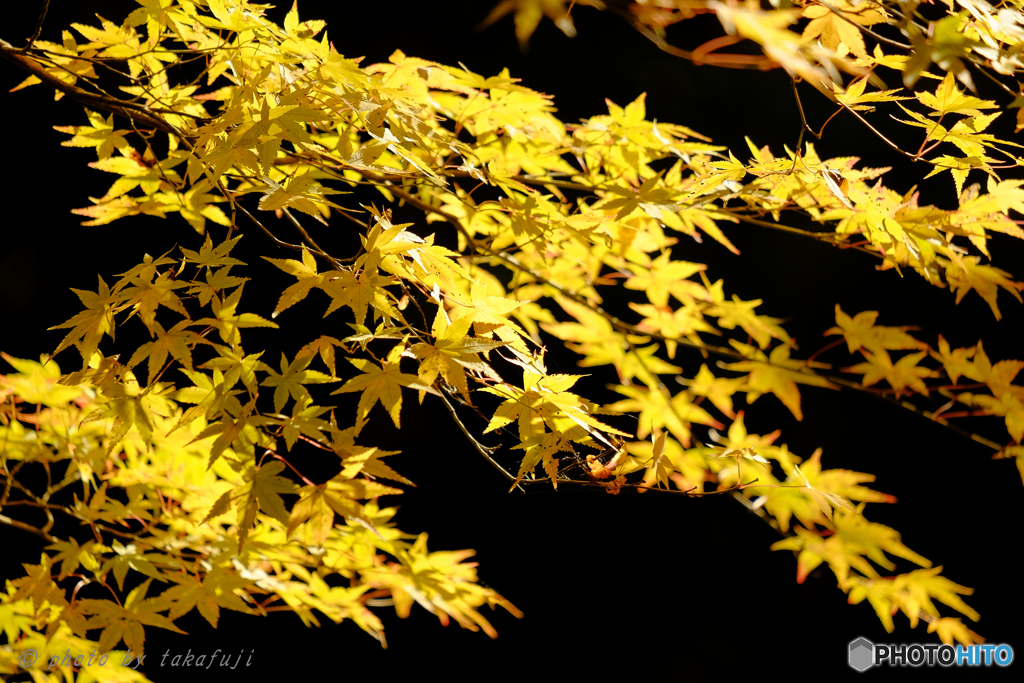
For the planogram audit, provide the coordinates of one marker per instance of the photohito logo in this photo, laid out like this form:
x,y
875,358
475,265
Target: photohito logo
x,y
863,654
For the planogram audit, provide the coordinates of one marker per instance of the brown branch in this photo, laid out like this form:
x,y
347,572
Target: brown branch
x,y
4,519
879,134
480,448
532,180
934,417
39,25
699,56
826,347
309,240
136,112
819,236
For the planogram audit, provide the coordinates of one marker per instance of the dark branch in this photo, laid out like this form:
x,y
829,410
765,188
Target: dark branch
x,y
137,113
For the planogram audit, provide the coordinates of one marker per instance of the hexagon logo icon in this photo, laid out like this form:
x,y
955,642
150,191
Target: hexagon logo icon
x,y
862,654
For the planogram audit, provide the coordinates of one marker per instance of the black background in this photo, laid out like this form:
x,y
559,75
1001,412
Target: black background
x,y
631,584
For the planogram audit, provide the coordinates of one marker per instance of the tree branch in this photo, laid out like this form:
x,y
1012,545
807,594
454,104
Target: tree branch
x,y
39,26
4,519
138,113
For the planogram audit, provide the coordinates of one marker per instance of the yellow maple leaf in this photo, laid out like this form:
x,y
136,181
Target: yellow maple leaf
x,y
951,629
902,374
861,332
383,383
528,14
776,373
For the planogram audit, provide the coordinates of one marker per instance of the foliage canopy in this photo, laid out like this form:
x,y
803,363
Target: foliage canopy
x,y
180,455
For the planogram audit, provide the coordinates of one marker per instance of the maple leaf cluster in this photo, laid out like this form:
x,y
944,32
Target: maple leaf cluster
x,y
546,224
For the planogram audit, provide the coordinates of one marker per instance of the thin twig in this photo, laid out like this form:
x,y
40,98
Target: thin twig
x,y
803,122
879,133
39,26
730,61
4,519
480,448
129,110
864,29
309,240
